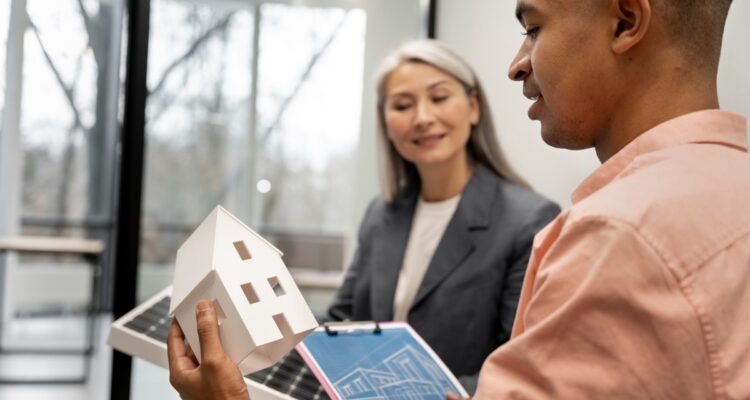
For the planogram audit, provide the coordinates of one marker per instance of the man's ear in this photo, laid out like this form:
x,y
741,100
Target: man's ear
x,y
632,23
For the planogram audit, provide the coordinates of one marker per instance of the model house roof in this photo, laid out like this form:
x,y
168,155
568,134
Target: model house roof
x,y
218,237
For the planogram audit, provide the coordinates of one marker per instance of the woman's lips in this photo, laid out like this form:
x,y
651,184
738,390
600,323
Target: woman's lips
x,y
429,141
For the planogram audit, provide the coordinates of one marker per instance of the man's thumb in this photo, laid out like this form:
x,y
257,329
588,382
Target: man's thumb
x,y
208,331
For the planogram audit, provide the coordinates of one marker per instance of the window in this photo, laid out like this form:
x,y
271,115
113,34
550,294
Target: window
x,y
60,75
256,108
276,286
250,293
242,250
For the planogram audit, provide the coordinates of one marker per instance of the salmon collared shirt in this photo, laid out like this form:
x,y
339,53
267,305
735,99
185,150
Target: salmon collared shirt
x,y
641,290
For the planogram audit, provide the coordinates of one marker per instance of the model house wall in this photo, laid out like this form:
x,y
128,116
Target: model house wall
x,y
261,312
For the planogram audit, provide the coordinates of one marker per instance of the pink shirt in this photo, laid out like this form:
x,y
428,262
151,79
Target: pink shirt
x,y
641,290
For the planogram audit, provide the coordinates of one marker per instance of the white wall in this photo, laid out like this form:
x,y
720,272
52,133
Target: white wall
x,y
487,34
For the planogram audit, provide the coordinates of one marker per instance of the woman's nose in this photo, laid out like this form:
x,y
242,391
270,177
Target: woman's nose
x,y
425,115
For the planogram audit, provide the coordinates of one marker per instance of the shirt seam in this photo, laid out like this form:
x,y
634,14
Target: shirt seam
x,y
707,333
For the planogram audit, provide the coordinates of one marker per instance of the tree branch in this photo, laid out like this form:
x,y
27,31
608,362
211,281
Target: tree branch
x,y
235,177
222,24
68,91
166,101
305,75
86,19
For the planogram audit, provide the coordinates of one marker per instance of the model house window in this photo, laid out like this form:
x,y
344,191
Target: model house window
x,y
242,250
283,325
276,286
250,293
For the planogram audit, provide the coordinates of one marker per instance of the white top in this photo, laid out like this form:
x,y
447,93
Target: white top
x,y
427,228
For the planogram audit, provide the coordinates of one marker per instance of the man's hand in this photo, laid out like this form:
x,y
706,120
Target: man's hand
x,y
216,378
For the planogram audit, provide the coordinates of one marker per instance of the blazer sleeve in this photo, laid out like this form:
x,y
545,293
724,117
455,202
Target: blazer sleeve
x,y
539,216
342,307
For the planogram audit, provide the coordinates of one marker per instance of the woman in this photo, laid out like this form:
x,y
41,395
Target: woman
x,y
446,245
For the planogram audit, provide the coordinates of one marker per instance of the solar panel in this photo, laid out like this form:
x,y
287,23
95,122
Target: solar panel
x,y
143,333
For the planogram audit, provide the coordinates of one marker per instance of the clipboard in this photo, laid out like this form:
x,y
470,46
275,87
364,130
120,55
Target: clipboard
x,y
365,360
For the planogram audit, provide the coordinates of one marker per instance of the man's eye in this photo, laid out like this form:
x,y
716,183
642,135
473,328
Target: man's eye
x,y
531,32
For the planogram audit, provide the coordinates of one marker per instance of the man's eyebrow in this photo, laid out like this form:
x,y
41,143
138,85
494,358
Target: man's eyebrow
x,y
522,8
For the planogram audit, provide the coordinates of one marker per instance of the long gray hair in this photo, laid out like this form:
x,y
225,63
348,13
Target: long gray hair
x,y
398,175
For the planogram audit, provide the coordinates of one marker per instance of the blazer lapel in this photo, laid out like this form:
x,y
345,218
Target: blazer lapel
x,y
473,213
388,254
454,248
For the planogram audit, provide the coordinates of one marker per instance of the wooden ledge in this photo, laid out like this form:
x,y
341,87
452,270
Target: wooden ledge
x,y
316,280
50,244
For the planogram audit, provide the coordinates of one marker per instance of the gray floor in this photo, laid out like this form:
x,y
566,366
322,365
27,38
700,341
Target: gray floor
x,y
149,381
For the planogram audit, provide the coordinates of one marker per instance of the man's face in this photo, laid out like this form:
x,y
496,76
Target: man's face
x,y
565,64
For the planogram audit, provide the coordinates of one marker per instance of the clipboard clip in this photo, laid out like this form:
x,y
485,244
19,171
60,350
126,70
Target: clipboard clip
x,y
334,328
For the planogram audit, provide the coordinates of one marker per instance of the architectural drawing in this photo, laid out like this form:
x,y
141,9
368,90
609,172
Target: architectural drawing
x,y
406,374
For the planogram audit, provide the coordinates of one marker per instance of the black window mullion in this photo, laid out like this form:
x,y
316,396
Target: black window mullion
x,y
130,188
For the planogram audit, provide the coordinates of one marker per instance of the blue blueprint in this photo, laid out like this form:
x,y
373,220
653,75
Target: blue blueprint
x,y
390,365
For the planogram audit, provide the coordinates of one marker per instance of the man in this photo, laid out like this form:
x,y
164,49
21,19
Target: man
x,y
642,288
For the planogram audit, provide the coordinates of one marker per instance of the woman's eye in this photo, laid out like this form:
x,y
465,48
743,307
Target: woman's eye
x,y
531,32
401,107
439,99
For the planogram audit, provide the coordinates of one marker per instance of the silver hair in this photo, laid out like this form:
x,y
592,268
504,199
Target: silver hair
x,y
398,175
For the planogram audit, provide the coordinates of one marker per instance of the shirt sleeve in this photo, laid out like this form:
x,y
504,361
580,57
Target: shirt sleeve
x,y
601,316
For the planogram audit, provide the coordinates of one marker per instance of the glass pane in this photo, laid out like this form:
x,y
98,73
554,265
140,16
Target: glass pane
x,y
199,80
4,19
66,112
67,124
309,102
63,101
282,161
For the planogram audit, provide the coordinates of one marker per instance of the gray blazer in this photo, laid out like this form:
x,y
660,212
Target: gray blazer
x,y
466,304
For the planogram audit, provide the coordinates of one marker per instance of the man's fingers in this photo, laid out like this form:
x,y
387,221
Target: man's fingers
x,y
208,331
175,341
177,353
191,355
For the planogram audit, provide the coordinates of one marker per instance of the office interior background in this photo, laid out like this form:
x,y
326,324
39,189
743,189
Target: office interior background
x,y
264,107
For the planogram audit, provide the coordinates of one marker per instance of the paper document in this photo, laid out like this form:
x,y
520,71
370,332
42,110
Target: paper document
x,y
395,363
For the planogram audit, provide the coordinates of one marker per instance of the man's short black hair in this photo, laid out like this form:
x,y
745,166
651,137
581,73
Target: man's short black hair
x,y
696,26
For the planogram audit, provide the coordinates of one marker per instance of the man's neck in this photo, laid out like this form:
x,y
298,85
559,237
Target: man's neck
x,y
657,101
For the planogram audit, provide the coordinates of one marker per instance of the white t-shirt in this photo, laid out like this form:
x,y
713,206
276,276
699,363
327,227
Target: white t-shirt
x,y
427,228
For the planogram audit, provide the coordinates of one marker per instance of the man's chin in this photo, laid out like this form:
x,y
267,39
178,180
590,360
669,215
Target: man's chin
x,y
563,140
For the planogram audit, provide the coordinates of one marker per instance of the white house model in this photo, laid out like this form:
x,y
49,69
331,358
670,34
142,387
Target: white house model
x,y
261,312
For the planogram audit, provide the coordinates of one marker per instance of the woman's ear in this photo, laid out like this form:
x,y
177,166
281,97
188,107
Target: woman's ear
x,y
631,24
476,109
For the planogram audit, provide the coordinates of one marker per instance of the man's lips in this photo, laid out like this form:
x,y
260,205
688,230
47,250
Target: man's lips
x,y
532,94
536,107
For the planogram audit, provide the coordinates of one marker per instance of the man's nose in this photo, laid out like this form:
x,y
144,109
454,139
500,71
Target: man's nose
x,y
520,68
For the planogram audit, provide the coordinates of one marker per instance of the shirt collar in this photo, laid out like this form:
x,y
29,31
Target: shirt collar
x,y
707,126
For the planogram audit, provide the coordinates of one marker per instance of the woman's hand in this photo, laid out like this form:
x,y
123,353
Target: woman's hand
x,y
216,378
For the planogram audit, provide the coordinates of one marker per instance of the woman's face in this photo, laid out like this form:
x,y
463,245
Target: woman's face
x,y
428,115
